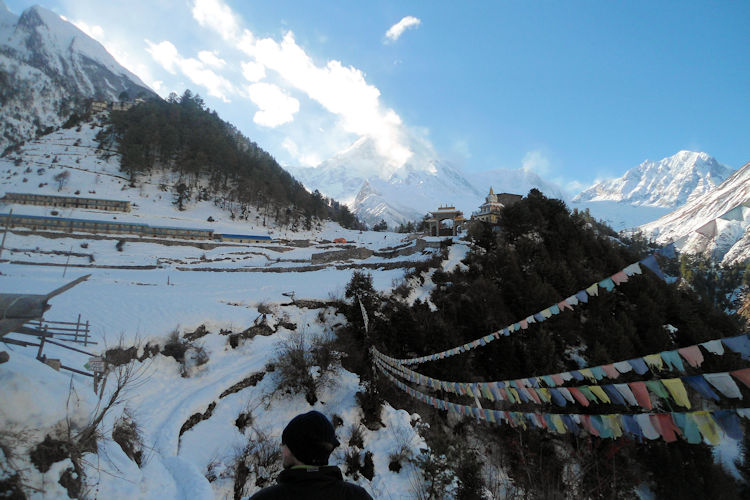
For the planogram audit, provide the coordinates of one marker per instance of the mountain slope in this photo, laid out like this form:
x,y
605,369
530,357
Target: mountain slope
x,y
668,183
716,224
48,71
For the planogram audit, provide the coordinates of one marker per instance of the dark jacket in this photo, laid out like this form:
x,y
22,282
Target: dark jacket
x,y
312,483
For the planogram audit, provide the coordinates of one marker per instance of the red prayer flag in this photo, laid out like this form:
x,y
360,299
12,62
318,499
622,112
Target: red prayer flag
x,y
641,394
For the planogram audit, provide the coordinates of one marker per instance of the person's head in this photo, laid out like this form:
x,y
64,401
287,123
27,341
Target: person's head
x,y
309,439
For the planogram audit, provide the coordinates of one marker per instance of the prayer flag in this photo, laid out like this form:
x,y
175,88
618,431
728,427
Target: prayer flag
x,y
654,361
677,389
611,371
614,394
742,375
572,300
623,366
647,426
699,384
582,296
598,372
651,263
593,290
626,393
557,398
657,388
599,392
739,344
566,394
554,309
586,372
672,358
707,426
692,355
714,347
667,428
607,284
687,427
619,277
579,396
564,304
724,383
633,269
638,365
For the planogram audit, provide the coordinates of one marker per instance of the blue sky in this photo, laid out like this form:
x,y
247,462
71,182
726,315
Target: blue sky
x,y
576,91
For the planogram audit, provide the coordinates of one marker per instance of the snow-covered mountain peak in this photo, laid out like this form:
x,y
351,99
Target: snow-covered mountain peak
x,y
53,69
716,224
669,183
7,19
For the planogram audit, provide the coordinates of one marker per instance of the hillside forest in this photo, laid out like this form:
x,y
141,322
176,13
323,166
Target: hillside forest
x,y
213,161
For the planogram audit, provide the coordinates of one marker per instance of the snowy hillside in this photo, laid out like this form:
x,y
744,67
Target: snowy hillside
x,y
52,69
361,177
197,417
716,224
669,183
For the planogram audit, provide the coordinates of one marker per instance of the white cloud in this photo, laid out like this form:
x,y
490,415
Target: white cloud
x,y
305,160
341,90
216,15
395,31
211,59
166,54
276,107
253,71
537,162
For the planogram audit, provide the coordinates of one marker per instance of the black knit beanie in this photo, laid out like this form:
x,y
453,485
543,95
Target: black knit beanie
x,y
310,437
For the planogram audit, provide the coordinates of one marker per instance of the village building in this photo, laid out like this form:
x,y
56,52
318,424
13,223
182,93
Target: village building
x,y
489,212
445,221
49,200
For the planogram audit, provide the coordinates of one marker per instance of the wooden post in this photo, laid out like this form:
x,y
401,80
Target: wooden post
x,y
86,337
7,225
78,324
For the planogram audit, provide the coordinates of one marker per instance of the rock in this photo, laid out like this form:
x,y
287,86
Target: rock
x,y
4,356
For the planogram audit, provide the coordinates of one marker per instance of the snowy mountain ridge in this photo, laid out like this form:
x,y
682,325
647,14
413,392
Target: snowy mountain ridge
x,y
669,183
361,177
51,69
716,224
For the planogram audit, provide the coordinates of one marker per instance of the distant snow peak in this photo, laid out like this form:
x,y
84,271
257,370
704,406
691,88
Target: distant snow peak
x,y
362,177
669,183
715,224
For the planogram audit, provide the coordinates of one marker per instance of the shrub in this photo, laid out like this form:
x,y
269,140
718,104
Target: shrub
x,y
258,461
127,434
304,365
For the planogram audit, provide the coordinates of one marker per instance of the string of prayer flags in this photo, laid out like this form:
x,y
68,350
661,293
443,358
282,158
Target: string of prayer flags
x,y
627,394
672,359
582,296
694,427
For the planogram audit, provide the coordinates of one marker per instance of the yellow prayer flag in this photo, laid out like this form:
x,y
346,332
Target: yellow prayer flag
x,y
558,423
586,372
677,389
599,392
707,426
544,394
654,361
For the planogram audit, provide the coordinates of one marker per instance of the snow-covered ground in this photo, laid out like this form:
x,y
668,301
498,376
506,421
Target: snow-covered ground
x,y
151,288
